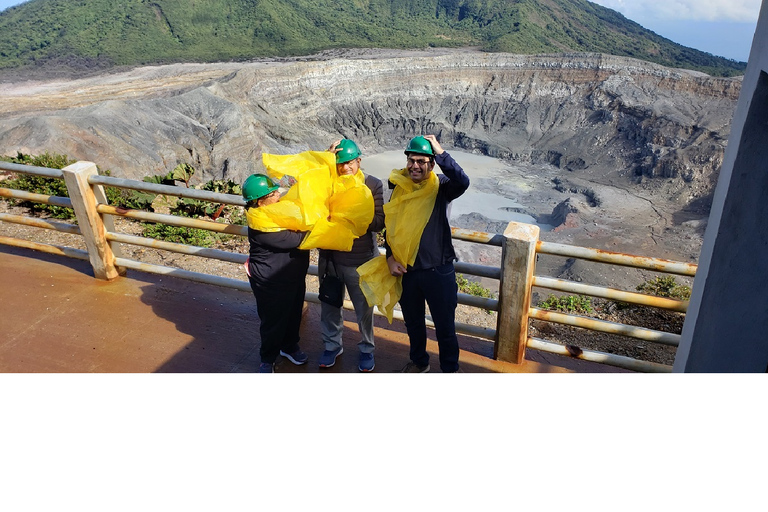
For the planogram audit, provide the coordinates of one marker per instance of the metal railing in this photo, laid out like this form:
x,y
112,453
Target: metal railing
x,y
519,245
614,258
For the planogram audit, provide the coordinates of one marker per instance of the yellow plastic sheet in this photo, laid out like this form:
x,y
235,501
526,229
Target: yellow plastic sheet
x,y
406,215
350,212
334,209
380,288
306,201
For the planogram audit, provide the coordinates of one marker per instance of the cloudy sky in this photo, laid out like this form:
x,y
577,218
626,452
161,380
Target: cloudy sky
x,y
720,27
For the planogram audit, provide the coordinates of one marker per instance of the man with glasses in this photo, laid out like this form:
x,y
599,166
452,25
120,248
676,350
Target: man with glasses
x,y
420,250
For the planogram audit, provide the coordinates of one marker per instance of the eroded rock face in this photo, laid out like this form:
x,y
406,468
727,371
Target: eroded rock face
x,y
608,120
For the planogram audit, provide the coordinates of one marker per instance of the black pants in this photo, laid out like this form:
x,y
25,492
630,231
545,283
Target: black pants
x,y
279,306
437,286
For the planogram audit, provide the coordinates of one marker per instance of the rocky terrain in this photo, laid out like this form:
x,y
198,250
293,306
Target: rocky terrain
x,y
610,152
593,123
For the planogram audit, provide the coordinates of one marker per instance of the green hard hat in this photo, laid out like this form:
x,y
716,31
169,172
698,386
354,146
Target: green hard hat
x,y
420,145
257,186
348,150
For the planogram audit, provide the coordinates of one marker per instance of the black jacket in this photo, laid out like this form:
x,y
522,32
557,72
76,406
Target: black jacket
x,y
275,259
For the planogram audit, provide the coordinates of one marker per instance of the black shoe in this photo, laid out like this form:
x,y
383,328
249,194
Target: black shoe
x,y
412,367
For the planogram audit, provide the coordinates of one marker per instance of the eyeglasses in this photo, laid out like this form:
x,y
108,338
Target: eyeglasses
x,y
419,162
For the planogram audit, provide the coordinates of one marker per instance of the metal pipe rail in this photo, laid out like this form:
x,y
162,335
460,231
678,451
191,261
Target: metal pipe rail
x,y
597,255
191,250
479,237
630,331
617,258
173,220
244,286
36,198
31,169
598,357
35,222
463,298
610,293
167,190
478,270
94,181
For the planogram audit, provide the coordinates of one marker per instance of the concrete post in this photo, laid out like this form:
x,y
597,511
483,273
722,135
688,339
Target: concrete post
x,y
92,226
518,260
726,326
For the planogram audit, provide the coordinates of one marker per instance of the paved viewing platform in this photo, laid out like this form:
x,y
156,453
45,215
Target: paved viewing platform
x,y
58,318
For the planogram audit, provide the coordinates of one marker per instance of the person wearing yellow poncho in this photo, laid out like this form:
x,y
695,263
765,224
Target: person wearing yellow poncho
x,y
319,210
276,272
418,266
343,264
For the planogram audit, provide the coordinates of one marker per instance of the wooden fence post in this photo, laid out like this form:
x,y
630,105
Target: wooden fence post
x,y
517,265
92,226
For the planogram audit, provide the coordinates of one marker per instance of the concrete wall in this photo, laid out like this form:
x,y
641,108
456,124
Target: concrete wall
x,y
726,328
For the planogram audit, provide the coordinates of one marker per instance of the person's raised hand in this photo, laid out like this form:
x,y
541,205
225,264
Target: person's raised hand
x,y
436,147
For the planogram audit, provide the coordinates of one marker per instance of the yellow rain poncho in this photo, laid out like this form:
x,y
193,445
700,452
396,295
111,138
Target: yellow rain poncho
x,y
350,208
406,215
334,209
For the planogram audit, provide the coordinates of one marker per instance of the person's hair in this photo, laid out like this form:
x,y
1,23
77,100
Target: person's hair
x,y
253,203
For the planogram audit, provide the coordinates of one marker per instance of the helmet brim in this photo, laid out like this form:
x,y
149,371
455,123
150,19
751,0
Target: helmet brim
x,y
343,161
271,189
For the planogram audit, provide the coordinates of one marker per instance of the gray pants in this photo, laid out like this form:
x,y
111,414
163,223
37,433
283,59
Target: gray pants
x,y
331,317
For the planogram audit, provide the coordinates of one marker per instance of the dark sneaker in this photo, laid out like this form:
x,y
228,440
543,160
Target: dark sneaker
x,y
328,358
296,357
412,367
266,368
365,363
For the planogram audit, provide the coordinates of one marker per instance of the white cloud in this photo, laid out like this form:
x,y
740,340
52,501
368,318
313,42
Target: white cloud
x,y
699,10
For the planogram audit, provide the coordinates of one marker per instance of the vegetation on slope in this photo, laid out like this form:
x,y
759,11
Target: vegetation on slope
x,y
102,33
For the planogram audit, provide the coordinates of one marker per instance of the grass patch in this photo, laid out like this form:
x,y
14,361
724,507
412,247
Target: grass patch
x,y
568,304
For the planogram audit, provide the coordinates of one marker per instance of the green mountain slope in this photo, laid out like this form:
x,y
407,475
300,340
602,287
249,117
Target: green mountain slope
x,y
103,33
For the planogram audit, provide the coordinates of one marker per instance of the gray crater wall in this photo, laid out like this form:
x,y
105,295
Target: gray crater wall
x,y
610,120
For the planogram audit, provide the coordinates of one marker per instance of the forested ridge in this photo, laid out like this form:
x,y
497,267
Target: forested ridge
x,y
99,34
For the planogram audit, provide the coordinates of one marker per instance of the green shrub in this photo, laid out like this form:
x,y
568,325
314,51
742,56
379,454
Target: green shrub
x,y
665,286
471,287
41,184
222,187
568,304
125,198
187,207
238,217
51,161
182,172
179,234
132,199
